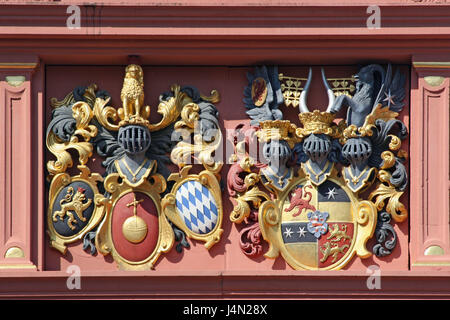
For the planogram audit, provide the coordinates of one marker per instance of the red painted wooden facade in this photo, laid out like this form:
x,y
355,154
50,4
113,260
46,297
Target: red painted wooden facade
x,y
212,46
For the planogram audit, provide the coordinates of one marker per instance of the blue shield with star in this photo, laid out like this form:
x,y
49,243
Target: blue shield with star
x,y
317,224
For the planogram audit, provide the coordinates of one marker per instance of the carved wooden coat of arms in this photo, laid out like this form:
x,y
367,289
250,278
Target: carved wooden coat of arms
x,y
137,208
323,189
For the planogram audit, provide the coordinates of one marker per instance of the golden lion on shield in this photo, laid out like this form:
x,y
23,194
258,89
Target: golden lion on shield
x,y
73,203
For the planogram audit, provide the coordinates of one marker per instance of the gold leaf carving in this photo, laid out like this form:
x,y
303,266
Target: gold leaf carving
x,y
242,209
388,192
64,159
367,220
380,112
171,109
395,143
83,115
183,150
389,159
103,114
66,101
251,179
213,98
189,116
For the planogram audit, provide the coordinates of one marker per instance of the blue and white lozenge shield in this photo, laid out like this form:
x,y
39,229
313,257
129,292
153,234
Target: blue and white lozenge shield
x,y
197,207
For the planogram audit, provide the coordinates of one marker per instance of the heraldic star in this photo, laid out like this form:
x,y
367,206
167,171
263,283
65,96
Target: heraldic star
x,y
301,232
288,232
331,193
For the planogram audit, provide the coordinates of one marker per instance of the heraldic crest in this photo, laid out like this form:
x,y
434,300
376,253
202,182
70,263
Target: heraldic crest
x,y
137,209
324,188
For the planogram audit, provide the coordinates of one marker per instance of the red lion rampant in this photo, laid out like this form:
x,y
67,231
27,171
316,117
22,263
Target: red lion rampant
x,y
297,201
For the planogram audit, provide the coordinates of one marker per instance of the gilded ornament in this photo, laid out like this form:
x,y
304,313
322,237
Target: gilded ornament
x,y
277,130
291,88
386,191
64,159
134,228
388,158
82,114
317,122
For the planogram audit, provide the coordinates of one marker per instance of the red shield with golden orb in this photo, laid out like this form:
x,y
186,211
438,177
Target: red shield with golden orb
x,y
134,226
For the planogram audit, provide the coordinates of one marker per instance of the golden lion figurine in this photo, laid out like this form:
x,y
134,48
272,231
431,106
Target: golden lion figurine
x,y
132,94
73,203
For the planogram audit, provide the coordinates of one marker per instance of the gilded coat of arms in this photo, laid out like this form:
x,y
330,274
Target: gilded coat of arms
x,y
137,208
305,198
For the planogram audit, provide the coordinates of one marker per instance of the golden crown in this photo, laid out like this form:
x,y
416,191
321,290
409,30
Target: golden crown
x,y
318,122
277,130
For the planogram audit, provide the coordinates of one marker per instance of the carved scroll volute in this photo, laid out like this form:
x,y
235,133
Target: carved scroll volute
x,y
170,110
198,123
244,191
269,219
64,159
104,113
82,114
386,191
366,219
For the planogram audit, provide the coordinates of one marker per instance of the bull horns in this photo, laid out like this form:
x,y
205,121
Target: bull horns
x,y
303,96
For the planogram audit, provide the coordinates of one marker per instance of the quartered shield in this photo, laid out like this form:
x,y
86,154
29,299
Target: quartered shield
x,y
317,225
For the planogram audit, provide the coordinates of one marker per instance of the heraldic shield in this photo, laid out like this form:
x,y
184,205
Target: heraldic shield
x,y
318,225
194,205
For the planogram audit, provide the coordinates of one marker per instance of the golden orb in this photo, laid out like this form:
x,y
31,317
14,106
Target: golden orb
x,y
134,229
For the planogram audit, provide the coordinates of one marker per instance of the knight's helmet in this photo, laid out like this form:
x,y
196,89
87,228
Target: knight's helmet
x,y
278,137
134,134
317,127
